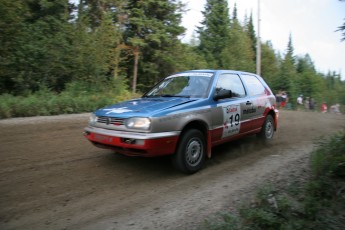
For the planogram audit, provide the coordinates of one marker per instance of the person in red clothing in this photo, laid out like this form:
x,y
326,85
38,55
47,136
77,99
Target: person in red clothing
x,y
284,100
324,107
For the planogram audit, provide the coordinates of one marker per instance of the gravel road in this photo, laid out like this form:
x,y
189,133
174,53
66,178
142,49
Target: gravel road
x,y
51,177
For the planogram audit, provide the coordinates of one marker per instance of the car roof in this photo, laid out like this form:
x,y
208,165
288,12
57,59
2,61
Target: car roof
x,y
216,71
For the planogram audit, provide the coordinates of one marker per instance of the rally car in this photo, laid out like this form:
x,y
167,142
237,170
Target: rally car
x,y
185,115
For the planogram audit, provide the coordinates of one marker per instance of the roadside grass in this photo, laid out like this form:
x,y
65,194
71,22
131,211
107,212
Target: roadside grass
x,y
78,97
317,204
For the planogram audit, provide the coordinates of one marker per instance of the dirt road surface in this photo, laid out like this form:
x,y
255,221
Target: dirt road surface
x,y
53,178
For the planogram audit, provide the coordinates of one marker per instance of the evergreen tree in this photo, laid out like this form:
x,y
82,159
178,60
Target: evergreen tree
x,y
249,28
334,89
151,31
214,33
270,65
287,79
238,53
306,76
97,44
43,45
194,41
309,82
342,27
42,53
182,57
12,23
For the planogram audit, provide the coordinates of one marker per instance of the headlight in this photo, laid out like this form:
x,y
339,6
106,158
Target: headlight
x,y
141,123
93,119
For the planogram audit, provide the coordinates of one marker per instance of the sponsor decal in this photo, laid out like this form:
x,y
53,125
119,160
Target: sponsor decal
x,y
231,120
118,110
247,111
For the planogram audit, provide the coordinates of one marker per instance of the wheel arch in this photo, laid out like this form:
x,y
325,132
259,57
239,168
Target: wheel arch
x,y
274,114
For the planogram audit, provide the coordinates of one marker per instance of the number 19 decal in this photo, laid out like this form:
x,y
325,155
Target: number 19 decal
x,y
231,120
234,120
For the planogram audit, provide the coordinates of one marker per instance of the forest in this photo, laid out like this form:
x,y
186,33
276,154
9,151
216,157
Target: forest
x,y
59,56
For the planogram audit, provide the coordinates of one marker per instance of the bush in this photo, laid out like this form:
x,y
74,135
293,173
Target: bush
x,y
320,204
78,97
329,158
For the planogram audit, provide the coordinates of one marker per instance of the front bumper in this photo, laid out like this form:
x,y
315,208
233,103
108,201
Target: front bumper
x,y
133,144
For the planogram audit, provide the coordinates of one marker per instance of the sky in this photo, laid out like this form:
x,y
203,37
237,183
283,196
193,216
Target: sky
x,y
311,23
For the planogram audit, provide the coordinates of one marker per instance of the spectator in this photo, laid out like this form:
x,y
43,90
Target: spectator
x,y
300,101
284,100
311,104
306,103
324,107
335,109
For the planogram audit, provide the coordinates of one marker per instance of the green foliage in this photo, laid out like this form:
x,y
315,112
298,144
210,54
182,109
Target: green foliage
x,y
40,52
287,79
223,221
180,58
152,31
319,204
77,98
270,65
329,158
238,53
53,43
334,89
214,33
249,28
342,28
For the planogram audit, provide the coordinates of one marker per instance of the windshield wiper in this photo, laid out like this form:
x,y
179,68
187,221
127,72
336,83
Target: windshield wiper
x,y
171,95
167,95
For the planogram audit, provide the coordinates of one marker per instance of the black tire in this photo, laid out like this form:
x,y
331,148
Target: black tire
x,y
190,154
267,130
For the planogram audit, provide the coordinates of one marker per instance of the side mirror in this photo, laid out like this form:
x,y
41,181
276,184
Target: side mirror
x,y
222,94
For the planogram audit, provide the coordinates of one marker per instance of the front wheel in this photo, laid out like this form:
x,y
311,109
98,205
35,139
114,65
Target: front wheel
x,y
267,130
190,155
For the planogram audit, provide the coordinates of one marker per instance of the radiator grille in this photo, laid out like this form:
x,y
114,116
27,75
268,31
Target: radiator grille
x,y
110,120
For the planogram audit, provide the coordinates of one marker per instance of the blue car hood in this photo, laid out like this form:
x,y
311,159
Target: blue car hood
x,y
141,107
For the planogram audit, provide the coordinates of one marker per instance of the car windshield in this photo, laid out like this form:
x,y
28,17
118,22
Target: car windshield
x,y
189,85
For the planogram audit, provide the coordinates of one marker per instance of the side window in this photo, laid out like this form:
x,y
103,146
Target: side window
x,y
231,82
254,85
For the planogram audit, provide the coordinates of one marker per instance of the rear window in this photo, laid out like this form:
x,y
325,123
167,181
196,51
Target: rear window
x,y
254,85
231,82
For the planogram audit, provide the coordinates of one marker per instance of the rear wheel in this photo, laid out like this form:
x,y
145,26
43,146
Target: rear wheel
x,y
267,130
190,153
